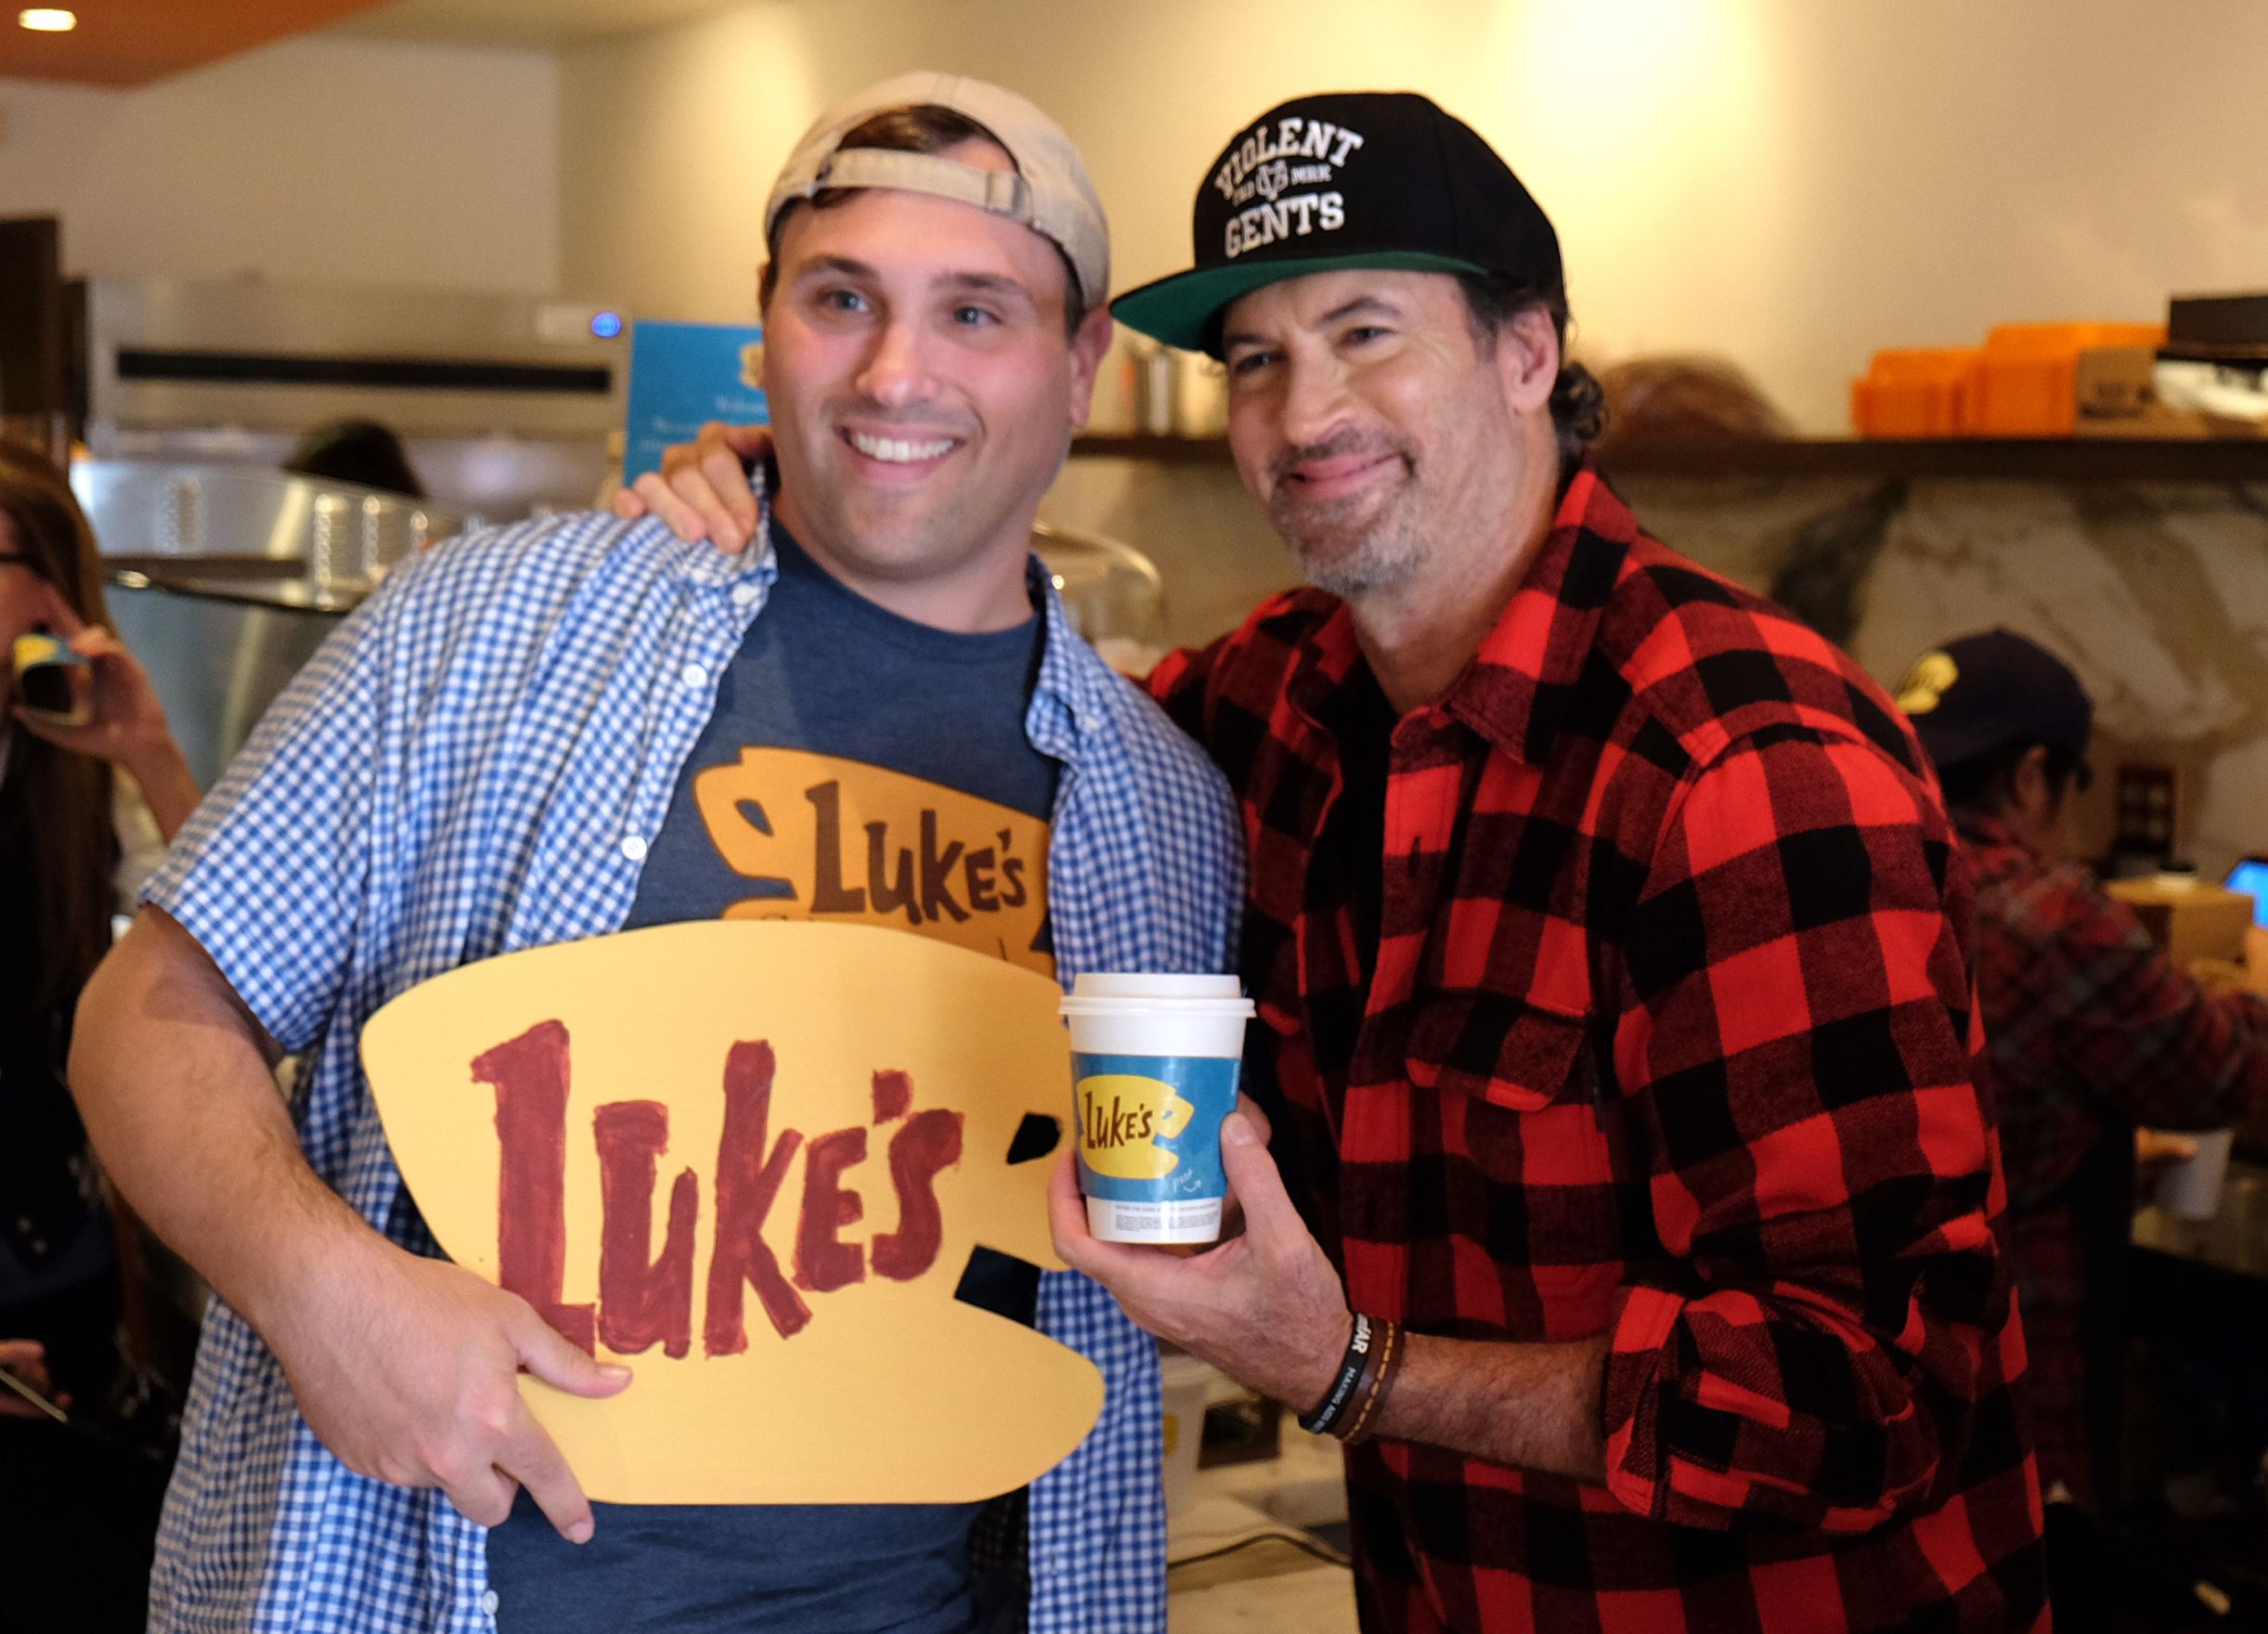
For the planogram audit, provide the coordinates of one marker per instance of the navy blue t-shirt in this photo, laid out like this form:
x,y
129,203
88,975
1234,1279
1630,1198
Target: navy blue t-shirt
x,y
860,766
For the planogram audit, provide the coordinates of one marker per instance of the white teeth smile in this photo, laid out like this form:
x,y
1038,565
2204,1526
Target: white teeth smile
x,y
896,452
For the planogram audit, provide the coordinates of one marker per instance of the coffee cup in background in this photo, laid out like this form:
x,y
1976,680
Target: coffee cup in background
x,y
1154,1065
2192,1187
53,682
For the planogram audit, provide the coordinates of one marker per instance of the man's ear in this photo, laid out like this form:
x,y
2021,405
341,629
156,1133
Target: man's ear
x,y
764,290
2028,782
1528,359
1088,347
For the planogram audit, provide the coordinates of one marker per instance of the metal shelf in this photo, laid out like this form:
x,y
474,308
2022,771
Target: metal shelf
x,y
2022,459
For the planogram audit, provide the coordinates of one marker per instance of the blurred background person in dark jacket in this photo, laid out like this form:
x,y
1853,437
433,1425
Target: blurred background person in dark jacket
x,y
2092,1034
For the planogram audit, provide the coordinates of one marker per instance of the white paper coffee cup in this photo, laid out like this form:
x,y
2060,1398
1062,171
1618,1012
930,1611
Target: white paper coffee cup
x,y
1154,1065
2192,1187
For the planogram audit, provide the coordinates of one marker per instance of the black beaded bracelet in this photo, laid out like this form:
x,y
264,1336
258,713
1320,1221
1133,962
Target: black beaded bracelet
x,y
1324,1418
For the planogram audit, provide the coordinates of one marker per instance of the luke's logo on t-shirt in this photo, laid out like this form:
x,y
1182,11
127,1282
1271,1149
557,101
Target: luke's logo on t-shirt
x,y
821,837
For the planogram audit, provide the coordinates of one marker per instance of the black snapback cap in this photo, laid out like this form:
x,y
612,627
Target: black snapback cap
x,y
1986,691
1345,179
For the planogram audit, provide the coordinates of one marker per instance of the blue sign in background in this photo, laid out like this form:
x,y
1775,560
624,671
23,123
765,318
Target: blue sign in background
x,y
682,374
1207,1083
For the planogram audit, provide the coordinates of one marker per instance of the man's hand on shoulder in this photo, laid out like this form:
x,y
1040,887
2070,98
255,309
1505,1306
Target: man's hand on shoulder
x,y
702,490
408,1369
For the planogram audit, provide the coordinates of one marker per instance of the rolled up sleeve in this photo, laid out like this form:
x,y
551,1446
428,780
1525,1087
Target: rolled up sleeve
x,y
1798,1038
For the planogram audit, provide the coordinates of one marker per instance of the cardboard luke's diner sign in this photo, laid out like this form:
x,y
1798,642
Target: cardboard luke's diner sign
x,y
752,1160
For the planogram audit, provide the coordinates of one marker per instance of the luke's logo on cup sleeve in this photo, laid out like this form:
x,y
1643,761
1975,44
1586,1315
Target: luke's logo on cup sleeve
x,y
1124,1120
1149,1126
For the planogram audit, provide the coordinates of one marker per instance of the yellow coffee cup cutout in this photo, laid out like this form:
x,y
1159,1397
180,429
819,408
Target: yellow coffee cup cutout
x,y
751,1159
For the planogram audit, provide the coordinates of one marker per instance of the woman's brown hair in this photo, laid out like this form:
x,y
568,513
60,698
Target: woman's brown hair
x,y
58,844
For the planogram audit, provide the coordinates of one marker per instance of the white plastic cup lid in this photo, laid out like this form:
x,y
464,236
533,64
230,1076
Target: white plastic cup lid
x,y
1107,984
1144,993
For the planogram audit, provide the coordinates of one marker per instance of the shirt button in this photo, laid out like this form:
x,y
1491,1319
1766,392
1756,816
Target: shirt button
x,y
745,593
695,675
489,1602
634,848
1089,721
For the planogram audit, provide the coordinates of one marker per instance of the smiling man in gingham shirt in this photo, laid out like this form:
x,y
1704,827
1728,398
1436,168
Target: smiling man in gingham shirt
x,y
491,755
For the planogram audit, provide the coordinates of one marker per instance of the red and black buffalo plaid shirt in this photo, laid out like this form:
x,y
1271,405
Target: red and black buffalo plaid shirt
x,y
1624,990
2090,1032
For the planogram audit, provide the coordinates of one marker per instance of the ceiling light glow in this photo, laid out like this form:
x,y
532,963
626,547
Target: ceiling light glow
x,y
47,20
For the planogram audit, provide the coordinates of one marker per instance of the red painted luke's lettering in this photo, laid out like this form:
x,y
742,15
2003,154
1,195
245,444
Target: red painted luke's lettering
x,y
647,1298
642,1302
746,1184
530,1076
823,1260
893,1093
929,1142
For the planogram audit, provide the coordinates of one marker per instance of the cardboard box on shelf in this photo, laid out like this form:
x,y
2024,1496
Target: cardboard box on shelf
x,y
2187,921
2116,383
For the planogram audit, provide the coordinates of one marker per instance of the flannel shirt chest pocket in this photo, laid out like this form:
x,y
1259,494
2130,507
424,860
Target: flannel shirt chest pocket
x,y
1500,1050
1514,1090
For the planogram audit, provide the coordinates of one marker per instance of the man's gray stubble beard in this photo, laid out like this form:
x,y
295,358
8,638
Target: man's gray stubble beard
x,y
1383,556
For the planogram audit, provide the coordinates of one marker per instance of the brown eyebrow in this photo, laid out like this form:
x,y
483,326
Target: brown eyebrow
x,y
1355,308
989,284
1362,303
841,264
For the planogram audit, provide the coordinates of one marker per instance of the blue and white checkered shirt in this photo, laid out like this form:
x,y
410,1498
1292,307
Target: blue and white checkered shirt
x,y
472,764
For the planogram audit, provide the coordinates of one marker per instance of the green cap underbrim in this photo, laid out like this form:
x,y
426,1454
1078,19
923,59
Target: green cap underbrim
x,y
1182,310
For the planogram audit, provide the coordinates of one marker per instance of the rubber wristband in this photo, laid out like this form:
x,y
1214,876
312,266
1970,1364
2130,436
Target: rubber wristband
x,y
1336,1400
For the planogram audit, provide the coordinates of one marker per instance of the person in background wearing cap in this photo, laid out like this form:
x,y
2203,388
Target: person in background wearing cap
x,y
1631,1205
498,750
2092,1034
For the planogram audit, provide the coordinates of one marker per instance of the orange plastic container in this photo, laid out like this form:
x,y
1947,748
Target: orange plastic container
x,y
1922,393
2027,373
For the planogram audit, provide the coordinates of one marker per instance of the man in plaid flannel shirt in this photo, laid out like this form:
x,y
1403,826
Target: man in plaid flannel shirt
x,y
2092,1034
1613,961
1612,957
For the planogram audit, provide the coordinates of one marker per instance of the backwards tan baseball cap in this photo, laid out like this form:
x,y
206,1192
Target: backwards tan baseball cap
x,y
1049,192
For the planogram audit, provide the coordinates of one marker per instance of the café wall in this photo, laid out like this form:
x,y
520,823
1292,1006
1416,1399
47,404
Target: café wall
x,y
1785,183
315,160
2156,593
